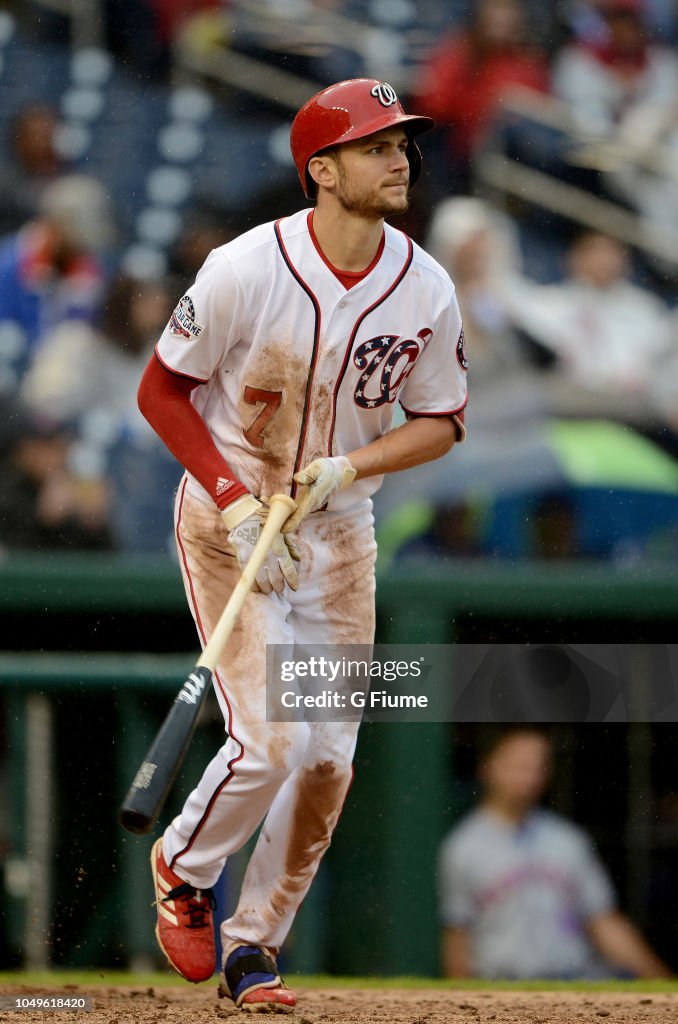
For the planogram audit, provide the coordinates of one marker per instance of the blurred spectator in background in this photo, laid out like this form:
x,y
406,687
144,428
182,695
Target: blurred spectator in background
x,y
615,133
465,78
43,505
33,163
51,270
81,367
522,892
586,19
609,335
605,78
622,89
478,246
88,375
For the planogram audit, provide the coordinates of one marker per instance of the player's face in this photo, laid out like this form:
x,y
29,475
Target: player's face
x,y
517,773
373,175
599,260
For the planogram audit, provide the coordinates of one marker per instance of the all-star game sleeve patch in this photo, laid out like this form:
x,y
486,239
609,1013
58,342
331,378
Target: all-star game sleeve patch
x,y
461,351
182,322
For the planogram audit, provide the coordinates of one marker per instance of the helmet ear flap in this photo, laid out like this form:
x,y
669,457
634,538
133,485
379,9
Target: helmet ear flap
x,y
311,189
413,154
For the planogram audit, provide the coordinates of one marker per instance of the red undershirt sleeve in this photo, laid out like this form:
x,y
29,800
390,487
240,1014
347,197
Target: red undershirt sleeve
x,y
165,400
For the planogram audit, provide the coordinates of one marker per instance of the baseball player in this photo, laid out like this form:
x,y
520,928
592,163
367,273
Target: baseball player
x,y
523,893
279,371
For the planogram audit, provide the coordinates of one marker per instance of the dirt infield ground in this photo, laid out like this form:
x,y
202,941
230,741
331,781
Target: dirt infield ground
x,y
356,1006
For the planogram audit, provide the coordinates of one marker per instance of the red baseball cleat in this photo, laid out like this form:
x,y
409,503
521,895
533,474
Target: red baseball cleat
x,y
185,928
250,978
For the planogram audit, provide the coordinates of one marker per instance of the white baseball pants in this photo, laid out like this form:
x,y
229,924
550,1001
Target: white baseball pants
x,y
295,775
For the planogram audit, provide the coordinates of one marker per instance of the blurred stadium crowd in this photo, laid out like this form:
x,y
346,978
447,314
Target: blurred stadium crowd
x,y
140,135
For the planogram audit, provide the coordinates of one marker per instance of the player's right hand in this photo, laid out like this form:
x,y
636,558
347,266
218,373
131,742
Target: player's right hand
x,y
245,520
319,480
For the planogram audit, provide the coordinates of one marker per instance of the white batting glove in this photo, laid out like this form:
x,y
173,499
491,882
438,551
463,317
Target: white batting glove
x,y
320,479
245,520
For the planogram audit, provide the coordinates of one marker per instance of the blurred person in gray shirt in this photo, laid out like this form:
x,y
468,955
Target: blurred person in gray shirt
x,y
522,892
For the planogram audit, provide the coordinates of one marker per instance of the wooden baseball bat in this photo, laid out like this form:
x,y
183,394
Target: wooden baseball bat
x,y
159,769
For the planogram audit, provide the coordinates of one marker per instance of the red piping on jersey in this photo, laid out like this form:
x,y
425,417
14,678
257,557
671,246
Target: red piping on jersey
x,y
349,347
314,353
458,414
178,373
203,637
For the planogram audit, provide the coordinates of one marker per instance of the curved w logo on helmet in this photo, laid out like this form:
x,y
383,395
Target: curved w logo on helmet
x,y
385,93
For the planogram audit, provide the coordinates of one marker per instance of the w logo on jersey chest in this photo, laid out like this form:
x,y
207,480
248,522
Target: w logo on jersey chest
x,y
386,363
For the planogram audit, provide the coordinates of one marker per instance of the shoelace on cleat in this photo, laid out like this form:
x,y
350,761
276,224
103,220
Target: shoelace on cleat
x,y
198,902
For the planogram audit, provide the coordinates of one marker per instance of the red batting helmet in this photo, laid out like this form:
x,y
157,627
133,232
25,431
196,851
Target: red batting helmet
x,y
348,111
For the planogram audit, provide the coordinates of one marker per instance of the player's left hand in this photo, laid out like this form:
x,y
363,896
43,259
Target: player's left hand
x,y
320,480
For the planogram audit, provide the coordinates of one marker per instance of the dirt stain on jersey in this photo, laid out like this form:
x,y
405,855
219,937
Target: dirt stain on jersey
x,y
281,372
317,435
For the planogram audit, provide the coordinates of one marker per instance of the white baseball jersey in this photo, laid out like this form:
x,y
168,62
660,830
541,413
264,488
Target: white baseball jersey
x,y
296,367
